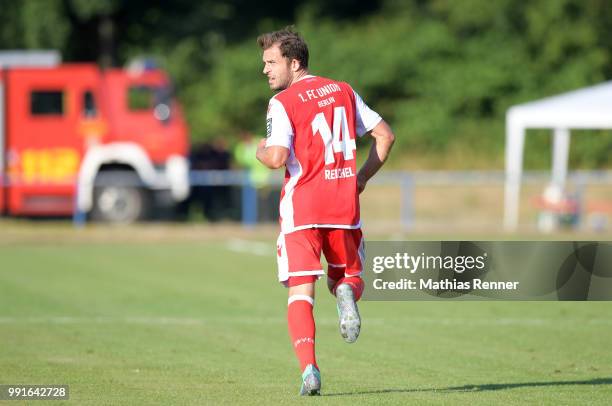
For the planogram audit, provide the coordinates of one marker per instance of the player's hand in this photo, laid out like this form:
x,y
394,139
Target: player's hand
x,y
261,147
361,183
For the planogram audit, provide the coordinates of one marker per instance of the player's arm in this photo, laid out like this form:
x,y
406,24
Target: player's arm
x,y
273,156
379,151
273,151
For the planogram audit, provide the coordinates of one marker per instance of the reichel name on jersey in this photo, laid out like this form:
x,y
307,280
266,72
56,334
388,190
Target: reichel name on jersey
x,y
339,173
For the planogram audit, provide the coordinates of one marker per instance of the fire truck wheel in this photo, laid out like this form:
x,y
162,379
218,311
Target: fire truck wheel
x,y
119,198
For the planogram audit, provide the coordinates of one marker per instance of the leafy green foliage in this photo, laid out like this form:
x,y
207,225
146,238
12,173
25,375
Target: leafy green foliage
x,y
33,24
441,72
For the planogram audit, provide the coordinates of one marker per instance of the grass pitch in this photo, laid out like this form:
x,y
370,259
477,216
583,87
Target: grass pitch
x,y
162,321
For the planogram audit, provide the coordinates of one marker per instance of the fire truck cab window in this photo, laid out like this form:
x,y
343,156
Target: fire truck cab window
x,y
47,103
89,105
141,98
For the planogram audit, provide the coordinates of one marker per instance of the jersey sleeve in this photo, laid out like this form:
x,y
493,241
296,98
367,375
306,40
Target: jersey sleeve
x,y
366,118
278,127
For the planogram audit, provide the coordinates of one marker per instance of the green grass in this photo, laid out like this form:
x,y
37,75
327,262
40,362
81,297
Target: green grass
x,y
200,323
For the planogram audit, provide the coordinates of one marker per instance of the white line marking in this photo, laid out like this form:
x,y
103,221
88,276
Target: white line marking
x,y
250,247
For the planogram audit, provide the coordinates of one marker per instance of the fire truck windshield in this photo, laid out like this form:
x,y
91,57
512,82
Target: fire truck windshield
x,y
158,99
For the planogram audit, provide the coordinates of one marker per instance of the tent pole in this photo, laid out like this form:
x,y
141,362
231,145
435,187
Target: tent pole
x,y
515,141
561,143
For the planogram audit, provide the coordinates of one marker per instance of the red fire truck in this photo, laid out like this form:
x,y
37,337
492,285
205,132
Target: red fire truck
x,y
75,138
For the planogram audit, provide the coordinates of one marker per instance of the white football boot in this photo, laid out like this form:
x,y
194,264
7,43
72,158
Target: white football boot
x,y
348,314
311,381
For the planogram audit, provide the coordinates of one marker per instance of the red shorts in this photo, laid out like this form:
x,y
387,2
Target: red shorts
x,y
299,254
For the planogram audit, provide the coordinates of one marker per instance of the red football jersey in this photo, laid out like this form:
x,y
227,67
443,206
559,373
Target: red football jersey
x,y
318,119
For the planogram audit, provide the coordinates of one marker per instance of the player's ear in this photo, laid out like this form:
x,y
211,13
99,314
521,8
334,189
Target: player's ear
x,y
295,65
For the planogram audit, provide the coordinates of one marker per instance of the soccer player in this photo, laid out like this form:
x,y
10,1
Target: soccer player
x,y
312,123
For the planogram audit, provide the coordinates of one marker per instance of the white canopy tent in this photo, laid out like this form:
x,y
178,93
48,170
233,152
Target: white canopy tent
x,y
587,108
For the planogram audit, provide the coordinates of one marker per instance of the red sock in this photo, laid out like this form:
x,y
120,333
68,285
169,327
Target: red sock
x,y
302,329
355,282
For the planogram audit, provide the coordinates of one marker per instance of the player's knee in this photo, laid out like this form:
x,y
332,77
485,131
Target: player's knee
x,y
301,285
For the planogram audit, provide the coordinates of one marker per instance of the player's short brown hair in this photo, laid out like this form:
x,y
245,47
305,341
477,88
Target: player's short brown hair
x,y
291,44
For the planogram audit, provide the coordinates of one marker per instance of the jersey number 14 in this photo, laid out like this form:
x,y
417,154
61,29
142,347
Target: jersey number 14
x,y
332,140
